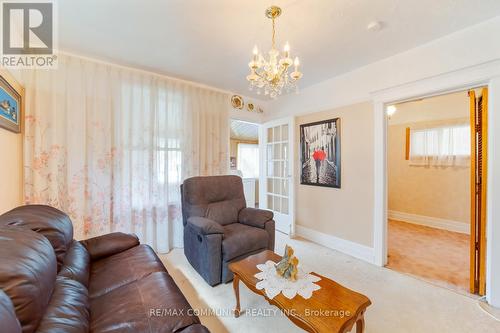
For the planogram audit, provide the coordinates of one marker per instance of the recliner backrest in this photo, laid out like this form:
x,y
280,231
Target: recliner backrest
x,y
219,198
48,221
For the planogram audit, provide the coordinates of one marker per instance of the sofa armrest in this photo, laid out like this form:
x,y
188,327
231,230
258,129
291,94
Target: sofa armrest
x,y
109,244
255,217
205,226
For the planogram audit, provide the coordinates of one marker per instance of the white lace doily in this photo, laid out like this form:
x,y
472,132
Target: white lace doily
x,y
273,284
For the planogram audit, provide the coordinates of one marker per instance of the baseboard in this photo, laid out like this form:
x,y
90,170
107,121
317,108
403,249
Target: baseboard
x,y
428,221
350,248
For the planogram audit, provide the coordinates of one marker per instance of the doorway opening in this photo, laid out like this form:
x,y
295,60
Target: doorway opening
x,y
435,169
244,157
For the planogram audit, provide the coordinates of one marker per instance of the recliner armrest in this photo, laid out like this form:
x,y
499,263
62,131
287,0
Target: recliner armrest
x,y
205,226
255,217
109,244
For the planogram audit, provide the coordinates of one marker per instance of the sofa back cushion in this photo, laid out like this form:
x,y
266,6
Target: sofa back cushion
x,y
8,318
219,198
27,273
55,225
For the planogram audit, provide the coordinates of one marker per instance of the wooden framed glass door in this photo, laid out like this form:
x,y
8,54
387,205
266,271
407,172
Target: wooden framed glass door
x,y
276,176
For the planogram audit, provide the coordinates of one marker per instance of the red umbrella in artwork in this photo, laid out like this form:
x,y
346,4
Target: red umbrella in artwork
x,y
319,155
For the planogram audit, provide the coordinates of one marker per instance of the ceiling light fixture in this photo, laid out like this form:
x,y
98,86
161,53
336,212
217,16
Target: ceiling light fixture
x,y
391,110
271,75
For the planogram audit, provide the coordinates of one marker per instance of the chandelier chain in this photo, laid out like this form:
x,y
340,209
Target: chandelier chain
x,y
274,33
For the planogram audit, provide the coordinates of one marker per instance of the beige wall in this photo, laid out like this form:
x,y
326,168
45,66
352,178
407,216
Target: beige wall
x,y
10,170
444,107
428,191
440,192
346,212
11,166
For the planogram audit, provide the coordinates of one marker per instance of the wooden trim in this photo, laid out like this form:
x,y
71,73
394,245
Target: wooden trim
x,y
484,174
407,147
472,109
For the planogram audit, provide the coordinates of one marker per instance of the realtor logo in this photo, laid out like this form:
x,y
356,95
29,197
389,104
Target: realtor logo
x,y
28,34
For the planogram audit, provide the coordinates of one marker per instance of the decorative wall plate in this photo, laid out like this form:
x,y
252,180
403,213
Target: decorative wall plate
x,y
250,107
237,102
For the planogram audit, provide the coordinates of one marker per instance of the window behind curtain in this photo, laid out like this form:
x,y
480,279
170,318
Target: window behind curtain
x,y
248,160
445,146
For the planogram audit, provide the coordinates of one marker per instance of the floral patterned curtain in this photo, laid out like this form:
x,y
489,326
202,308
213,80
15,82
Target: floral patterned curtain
x,y
110,146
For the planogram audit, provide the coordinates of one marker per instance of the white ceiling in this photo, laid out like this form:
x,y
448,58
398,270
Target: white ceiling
x,y
210,41
242,130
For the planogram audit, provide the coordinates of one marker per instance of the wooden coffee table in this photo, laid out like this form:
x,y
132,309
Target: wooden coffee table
x,y
333,308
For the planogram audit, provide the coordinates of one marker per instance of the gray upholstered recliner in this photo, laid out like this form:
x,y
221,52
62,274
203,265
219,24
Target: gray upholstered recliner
x,y
218,228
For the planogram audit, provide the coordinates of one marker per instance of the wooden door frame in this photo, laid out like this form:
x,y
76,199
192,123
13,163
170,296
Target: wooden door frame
x,y
477,253
481,75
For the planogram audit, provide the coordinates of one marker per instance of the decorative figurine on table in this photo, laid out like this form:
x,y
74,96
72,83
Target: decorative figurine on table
x,y
287,267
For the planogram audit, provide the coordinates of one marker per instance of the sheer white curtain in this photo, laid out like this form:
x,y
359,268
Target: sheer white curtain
x,y
111,146
440,146
248,160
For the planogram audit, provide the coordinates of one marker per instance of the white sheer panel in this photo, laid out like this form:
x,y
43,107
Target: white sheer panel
x,y
111,146
248,160
441,146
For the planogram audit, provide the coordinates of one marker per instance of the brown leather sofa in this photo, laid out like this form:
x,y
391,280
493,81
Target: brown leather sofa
x,y
50,282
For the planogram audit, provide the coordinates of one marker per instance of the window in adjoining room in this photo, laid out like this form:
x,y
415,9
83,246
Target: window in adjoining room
x,y
444,146
248,160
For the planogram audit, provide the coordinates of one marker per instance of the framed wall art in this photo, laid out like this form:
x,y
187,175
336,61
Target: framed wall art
x,y
320,153
11,103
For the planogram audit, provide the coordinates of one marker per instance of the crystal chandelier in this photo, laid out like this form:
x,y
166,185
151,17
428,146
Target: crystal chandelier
x,y
271,76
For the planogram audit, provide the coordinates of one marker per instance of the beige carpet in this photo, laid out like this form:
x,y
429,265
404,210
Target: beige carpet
x,y
438,256
401,304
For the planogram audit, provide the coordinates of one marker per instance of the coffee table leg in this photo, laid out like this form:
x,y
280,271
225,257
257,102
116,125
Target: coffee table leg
x,y
236,288
360,324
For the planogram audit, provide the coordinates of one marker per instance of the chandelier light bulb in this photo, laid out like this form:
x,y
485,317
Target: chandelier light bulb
x,y
255,50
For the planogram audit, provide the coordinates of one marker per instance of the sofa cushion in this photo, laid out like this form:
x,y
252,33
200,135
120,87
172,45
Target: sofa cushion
x,y
27,273
55,225
151,304
240,239
218,198
197,328
120,269
68,309
76,265
8,318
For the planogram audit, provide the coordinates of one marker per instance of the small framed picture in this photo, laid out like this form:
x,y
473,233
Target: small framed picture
x,y
11,99
320,153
